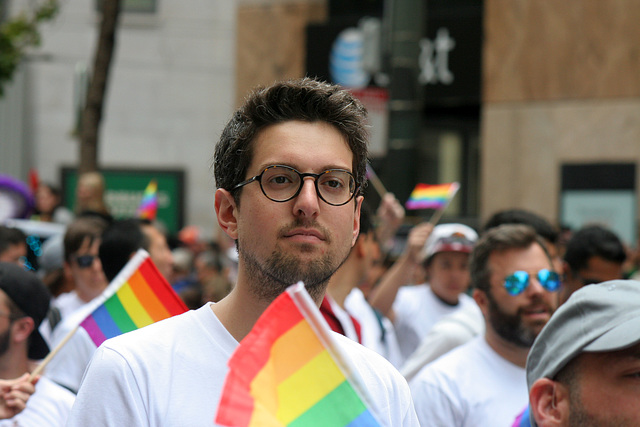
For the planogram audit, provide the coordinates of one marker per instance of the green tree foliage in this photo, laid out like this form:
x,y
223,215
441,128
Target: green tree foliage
x,y
19,33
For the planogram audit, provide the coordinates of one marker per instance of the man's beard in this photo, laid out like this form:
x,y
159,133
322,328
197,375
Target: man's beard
x,y
281,270
511,327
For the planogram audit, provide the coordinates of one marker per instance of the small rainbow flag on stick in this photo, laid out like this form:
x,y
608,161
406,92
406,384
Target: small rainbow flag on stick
x,y
149,204
425,196
138,296
288,372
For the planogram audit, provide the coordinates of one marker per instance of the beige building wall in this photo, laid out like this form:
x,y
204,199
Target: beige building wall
x,y
561,84
271,42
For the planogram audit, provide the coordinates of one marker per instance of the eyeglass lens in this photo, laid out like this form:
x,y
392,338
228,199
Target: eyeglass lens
x,y
517,282
281,184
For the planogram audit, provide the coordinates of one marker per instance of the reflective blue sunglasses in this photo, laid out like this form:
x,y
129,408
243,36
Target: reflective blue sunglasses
x,y
517,282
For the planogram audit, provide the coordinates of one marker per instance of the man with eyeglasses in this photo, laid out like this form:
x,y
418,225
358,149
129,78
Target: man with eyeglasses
x,y
482,383
289,167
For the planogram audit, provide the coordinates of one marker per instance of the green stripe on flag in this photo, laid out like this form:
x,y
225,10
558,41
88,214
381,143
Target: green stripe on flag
x,y
119,314
337,408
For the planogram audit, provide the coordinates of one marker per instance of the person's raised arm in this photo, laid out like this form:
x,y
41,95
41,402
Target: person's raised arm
x,y
400,273
390,215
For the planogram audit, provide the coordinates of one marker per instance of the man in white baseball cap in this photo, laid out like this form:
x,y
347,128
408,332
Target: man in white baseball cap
x,y
443,251
584,366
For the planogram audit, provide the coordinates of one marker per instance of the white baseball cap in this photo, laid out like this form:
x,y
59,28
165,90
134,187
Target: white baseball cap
x,y
449,238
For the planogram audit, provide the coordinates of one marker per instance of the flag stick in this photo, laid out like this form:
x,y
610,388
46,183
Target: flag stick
x,y
437,215
51,354
377,184
317,323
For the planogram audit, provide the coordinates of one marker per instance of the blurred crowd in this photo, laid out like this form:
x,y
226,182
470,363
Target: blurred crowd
x,y
413,306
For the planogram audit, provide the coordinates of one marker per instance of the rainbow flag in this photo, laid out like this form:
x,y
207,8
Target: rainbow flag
x,y
138,296
426,196
288,372
149,204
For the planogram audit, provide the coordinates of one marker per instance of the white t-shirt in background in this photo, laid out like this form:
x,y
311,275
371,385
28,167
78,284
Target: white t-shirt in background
x,y
416,309
471,386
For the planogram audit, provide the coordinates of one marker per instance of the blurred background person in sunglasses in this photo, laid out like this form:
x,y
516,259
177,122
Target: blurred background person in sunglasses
x,y
82,265
81,262
483,382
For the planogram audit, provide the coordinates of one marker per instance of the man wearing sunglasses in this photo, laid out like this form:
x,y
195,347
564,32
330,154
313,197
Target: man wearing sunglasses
x,y
81,263
289,167
482,383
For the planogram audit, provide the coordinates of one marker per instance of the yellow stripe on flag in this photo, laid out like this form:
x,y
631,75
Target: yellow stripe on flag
x,y
135,310
263,417
143,292
308,386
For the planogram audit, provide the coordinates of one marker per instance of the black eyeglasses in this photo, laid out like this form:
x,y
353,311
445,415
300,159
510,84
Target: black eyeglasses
x,y
516,283
85,261
282,183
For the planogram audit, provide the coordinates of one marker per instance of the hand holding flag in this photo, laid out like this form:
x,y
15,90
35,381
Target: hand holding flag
x,y
288,372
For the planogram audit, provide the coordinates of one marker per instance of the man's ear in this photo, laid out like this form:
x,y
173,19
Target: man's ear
x,y
226,212
549,402
22,329
480,297
356,220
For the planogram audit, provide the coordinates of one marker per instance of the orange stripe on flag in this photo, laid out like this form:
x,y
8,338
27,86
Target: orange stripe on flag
x,y
275,372
148,299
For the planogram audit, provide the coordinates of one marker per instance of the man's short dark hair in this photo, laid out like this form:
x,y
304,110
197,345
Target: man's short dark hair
x,y
10,236
499,239
521,216
305,100
119,241
590,241
78,231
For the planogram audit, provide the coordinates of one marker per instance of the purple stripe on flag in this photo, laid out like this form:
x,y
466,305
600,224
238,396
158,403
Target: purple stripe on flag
x,y
425,204
92,328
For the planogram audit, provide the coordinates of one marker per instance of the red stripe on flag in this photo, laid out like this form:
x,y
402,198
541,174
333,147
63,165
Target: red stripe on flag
x,y
161,288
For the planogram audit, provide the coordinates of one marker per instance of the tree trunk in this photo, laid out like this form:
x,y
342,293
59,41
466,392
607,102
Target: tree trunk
x,y
92,113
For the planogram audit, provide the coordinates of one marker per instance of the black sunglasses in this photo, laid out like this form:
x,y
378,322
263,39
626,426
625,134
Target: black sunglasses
x,y
85,261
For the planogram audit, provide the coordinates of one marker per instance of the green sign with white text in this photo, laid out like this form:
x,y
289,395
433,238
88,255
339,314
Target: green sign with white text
x,y
124,190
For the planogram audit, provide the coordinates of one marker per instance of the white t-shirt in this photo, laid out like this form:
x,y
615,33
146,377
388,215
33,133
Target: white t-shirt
x,y
416,309
448,333
171,373
471,386
378,332
49,406
68,365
